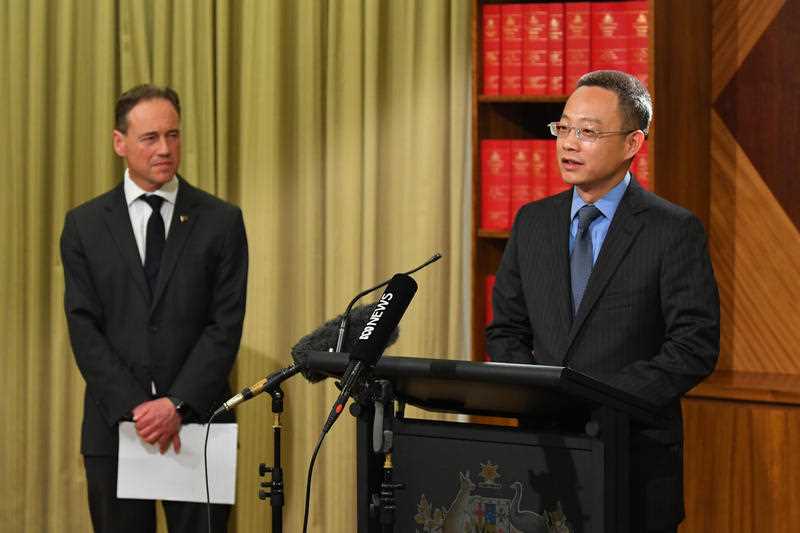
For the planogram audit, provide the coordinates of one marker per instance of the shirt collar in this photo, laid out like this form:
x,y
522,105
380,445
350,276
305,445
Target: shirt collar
x,y
168,191
607,204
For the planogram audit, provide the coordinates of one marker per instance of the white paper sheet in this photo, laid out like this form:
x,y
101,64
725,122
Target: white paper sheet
x,y
146,474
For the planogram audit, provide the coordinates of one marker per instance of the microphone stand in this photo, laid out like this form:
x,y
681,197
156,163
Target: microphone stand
x,y
275,494
377,403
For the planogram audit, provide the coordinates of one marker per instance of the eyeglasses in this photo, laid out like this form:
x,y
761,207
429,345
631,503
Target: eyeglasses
x,y
586,135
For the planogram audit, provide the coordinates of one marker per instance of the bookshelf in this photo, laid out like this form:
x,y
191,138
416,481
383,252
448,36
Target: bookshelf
x,y
679,73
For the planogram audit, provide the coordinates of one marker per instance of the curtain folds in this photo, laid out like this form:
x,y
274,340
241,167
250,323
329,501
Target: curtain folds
x,y
340,127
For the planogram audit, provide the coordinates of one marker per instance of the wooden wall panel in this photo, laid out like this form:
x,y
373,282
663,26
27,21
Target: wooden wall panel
x,y
737,26
755,245
742,426
756,253
741,467
759,106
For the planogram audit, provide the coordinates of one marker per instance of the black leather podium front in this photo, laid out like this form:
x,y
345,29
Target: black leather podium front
x,y
565,469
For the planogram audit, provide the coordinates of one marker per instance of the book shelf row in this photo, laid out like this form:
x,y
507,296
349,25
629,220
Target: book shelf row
x,y
544,48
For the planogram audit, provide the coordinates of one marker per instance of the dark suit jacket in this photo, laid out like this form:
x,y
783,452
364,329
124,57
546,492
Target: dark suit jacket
x,y
648,323
184,338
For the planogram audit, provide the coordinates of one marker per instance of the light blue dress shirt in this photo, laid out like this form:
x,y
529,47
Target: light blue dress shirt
x,y
599,227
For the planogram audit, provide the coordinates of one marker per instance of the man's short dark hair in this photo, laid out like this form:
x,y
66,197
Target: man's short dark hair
x,y
141,93
634,100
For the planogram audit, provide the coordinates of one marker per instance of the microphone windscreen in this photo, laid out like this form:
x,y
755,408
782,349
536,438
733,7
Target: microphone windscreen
x,y
319,340
374,337
324,337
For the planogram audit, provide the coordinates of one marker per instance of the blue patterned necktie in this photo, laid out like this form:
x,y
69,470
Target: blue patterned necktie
x,y
155,239
581,262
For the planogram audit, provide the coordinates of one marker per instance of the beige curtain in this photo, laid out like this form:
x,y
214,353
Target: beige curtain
x,y
340,127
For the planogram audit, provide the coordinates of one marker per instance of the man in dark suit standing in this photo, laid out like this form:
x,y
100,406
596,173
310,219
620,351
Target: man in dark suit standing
x,y
614,282
156,278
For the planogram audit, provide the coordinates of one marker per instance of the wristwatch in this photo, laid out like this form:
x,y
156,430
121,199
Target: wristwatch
x,y
180,405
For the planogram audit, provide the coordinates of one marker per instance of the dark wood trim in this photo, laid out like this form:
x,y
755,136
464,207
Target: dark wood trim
x,y
492,234
681,85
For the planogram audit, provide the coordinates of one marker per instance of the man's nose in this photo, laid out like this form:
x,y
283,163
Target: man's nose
x,y
163,145
570,141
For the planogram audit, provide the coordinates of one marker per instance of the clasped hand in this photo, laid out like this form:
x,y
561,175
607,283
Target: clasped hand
x,y
157,421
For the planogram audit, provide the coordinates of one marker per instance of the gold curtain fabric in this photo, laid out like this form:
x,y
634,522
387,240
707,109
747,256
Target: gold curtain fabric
x,y
340,127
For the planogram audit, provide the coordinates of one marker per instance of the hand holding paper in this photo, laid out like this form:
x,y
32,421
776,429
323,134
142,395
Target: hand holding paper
x,y
146,474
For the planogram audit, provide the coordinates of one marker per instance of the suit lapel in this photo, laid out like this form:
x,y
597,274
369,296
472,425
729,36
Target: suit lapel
x,y
618,241
119,223
559,248
184,217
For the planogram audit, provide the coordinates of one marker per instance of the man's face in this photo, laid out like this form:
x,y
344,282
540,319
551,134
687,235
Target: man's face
x,y
152,144
594,168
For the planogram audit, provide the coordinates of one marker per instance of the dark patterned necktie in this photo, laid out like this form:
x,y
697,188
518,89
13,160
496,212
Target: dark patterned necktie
x,y
154,240
581,262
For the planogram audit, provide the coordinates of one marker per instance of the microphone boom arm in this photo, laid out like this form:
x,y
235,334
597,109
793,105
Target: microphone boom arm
x,y
345,319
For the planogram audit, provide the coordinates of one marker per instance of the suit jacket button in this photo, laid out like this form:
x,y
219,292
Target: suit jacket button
x,y
152,328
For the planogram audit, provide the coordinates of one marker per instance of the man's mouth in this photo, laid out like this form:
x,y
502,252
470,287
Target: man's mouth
x,y
569,163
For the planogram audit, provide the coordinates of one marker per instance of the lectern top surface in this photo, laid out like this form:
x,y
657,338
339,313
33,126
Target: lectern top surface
x,y
500,389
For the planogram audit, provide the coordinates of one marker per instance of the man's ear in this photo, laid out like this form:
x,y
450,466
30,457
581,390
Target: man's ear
x,y
633,143
119,143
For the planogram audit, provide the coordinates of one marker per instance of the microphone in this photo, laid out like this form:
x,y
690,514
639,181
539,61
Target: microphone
x,y
324,337
265,385
319,340
343,326
373,339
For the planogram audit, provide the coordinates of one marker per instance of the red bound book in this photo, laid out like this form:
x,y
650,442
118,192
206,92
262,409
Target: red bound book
x,y
554,182
641,167
541,168
609,36
521,175
495,185
491,49
638,50
535,49
490,280
577,43
511,44
555,49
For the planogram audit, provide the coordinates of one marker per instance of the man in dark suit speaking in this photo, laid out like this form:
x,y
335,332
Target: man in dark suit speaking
x,y
614,282
156,277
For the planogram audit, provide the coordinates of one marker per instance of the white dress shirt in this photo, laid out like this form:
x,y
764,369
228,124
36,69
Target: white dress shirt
x,y
140,211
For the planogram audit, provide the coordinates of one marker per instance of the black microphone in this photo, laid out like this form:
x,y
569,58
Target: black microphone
x,y
319,340
324,337
344,320
265,385
372,340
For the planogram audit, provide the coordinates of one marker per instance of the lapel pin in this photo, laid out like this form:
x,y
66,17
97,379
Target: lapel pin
x,y
184,218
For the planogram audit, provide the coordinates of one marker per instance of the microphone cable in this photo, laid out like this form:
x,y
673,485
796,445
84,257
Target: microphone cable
x,y
308,479
205,469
